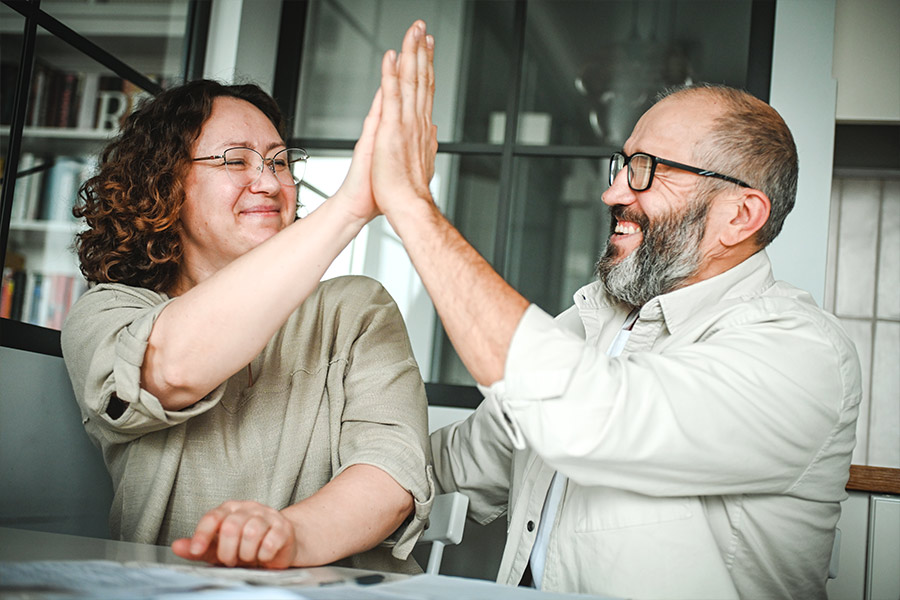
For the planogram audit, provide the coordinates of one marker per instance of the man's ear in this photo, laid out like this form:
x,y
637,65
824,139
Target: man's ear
x,y
751,211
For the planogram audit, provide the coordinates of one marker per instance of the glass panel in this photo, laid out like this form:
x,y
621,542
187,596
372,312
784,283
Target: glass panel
x,y
860,331
346,39
889,256
473,189
147,35
559,228
857,248
74,106
884,443
487,64
11,23
377,252
588,84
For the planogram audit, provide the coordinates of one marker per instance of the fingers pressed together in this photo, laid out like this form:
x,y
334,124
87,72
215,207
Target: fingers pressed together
x,y
406,141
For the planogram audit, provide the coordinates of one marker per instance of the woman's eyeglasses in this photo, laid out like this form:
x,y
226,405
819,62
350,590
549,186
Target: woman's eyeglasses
x,y
245,165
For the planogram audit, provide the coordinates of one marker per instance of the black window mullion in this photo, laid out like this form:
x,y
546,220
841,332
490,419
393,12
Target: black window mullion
x,y
20,105
196,36
504,202
288,59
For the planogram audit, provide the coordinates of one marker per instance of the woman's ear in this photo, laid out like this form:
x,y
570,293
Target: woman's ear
x,y
751,211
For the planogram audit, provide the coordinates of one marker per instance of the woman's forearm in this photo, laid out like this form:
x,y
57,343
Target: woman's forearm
x,y
217,327
353,513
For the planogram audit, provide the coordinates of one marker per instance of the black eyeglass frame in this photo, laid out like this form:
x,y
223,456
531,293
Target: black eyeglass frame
x,y
655,160
266,162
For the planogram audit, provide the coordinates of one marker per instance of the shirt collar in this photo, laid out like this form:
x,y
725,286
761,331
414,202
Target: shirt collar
x,y
748,278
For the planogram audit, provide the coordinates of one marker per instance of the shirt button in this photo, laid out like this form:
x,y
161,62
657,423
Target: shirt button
x,y
530,526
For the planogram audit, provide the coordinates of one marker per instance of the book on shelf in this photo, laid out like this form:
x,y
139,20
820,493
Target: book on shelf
x,y
87,100
61,188
42,299
29,187
12,293
87,106
23,182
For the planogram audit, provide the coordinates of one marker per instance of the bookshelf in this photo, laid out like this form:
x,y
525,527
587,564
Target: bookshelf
x,y
76,69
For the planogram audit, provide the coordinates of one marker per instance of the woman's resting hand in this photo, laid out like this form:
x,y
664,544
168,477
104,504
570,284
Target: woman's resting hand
x,y
241,534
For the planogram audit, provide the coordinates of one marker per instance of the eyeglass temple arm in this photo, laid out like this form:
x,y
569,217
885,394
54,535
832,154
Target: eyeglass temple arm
x,y
702,172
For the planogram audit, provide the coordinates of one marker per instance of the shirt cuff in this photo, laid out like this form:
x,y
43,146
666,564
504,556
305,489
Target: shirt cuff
x,y
538,367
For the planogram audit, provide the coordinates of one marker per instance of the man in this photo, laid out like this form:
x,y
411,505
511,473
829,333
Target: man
x,y
685,429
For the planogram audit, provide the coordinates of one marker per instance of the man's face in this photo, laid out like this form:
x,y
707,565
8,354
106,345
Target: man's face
x,y
669,254
659,240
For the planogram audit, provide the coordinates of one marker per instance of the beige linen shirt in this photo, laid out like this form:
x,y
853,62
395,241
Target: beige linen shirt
x,y
708,460
336,386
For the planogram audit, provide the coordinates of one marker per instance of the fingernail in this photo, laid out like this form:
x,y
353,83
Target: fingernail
x,y
429,41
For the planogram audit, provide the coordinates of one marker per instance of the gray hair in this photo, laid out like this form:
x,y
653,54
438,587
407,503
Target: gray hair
x,y
749,141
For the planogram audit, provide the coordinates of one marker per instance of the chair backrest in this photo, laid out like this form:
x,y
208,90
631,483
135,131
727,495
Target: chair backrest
x,y
52,478
445,526
835,562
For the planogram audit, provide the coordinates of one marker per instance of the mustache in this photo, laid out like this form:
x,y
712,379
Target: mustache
x,y
620,212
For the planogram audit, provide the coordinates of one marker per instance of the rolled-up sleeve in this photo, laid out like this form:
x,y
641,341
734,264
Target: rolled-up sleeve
x,y
104,340
744,402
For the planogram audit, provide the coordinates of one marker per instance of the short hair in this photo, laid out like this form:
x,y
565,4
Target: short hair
x,y
133,204
750,141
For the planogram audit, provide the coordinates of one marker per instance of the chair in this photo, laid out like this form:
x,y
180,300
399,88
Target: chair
x,y
445,526
835,555
53,477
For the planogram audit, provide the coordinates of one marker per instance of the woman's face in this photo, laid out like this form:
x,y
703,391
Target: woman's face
x,y
222,221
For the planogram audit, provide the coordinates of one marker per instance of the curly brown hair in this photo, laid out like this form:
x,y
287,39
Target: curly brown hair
x,y
132,206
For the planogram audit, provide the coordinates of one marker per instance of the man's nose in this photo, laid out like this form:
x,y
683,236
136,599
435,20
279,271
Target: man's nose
x,y
619,192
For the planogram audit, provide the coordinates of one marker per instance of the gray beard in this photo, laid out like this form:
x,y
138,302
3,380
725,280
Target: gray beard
x,y
668,255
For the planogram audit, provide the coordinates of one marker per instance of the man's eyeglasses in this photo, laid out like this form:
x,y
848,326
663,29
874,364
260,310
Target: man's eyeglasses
x,y
642,167
245,165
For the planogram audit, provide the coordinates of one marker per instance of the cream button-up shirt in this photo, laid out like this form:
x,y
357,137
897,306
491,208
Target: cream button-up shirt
x,y
707,461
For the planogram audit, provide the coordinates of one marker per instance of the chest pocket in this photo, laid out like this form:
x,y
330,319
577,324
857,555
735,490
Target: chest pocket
x,y
601,509
237,394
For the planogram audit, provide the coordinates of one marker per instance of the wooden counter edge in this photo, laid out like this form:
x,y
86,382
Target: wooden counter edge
x,y
879,480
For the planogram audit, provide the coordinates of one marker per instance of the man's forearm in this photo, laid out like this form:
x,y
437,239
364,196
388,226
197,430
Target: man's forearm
x,y
479,310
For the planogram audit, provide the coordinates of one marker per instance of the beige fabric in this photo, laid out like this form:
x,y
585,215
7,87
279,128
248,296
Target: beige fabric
x,y
707,461
336,386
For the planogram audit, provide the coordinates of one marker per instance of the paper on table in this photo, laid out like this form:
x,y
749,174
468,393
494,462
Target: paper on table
x,y
101,579
438,587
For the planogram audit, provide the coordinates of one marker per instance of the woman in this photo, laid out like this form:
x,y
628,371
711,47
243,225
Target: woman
x,y
229,389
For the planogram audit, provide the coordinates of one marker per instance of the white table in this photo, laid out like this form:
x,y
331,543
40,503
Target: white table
x,y
21,546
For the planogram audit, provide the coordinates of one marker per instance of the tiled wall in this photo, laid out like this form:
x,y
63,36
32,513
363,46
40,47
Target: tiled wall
x,y
863,290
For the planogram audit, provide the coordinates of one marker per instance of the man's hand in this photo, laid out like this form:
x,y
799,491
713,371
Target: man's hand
x,y
479,310
406,140
241,534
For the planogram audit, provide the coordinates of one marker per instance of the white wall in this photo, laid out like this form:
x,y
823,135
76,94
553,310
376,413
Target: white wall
x,y
804,92
867,60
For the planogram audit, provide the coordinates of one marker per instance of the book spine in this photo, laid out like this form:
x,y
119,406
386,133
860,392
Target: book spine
x,y
87,102
23,187
61,189
7,290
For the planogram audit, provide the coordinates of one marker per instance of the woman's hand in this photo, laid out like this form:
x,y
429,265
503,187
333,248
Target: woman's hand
x,y
355,192
241,534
